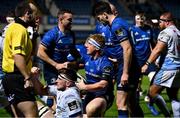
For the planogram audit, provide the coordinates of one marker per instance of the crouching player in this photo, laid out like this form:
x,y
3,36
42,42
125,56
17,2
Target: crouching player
x,y
98,84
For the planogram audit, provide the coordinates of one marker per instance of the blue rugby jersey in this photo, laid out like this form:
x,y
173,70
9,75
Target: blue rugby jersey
x,y
58,44
97,70
82,50
113,36
141,38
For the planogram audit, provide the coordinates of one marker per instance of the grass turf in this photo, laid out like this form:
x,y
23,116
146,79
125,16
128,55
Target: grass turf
x,y
112,112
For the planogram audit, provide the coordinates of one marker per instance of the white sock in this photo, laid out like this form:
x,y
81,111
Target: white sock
x,y
44,99
176,108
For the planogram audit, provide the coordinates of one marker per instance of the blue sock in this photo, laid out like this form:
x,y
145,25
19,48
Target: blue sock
x,y
122,113
161,105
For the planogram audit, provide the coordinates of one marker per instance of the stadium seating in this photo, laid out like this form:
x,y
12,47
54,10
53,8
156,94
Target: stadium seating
x,y
79,7
172,6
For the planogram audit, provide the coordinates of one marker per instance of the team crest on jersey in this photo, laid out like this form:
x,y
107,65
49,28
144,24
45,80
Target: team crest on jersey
x,y
72,105
107,69
119,32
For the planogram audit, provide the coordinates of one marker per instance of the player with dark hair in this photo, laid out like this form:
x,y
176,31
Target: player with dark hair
x,y
118,48
17,63
56,44
142,44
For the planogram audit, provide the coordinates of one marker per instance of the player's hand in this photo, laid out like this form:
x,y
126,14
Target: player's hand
x,y
61,65
35,72
124,79
144,68
37,23
28,84
81,85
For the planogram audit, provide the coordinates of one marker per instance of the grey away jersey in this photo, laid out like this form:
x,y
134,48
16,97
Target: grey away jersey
x,y
68,102
171,36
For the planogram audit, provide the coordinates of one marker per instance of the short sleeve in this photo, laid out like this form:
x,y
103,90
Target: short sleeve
x,y
48,38
164,37
19,41
120,33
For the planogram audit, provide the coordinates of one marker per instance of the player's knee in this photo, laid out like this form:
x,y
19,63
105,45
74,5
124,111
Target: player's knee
x,y
152,92
90,109
121,104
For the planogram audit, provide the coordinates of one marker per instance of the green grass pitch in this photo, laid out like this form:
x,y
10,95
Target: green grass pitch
x,y
112,112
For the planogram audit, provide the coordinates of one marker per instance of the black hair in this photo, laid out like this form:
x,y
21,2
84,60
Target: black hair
x,y
101,7
69,73
22,8
139,12
10,14
62,11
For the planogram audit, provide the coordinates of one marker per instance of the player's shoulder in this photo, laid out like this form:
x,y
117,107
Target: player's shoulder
x,y
171,29
52,30
71,92
105,60
17,26
119,23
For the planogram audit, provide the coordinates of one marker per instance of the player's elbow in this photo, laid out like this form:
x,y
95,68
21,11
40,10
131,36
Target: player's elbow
x,y
40,53
129,49
103,85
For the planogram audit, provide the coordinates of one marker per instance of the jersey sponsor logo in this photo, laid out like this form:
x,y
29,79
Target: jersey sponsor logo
x,y
108,44
143,39
60,110
92,74
72,105
119,32
61,50
69,96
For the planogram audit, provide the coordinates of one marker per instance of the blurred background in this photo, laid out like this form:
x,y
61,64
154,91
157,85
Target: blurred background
x,y
83,22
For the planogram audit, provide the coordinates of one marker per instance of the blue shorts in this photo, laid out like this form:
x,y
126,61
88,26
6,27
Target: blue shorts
x,y
167,78
133,80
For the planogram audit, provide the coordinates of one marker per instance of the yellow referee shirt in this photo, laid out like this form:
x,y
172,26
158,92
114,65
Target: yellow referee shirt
x,y
17,41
